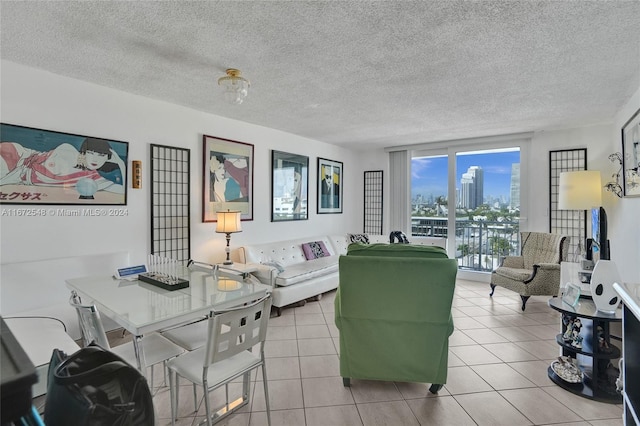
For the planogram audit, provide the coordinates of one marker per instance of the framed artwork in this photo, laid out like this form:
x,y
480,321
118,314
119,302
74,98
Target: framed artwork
x,y
227,178
289,186
631,156
571,295
45,167
330,183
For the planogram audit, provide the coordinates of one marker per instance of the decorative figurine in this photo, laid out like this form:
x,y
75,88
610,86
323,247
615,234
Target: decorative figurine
x,y
603,345
576,339
568,323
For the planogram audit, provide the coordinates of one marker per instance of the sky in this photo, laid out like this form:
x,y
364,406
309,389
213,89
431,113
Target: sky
x,y
429,174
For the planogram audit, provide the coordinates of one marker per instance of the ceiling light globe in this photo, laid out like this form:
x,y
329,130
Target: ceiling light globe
x,y
235,86
235,96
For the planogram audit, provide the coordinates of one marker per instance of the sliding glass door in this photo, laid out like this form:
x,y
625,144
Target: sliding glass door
x,y
429,196
487,220
471,197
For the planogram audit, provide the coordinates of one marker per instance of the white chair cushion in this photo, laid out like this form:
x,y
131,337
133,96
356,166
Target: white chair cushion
x,y
190,337
514,273
155,347
190,364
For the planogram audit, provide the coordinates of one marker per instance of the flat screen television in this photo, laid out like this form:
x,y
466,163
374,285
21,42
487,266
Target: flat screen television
x,y
599,233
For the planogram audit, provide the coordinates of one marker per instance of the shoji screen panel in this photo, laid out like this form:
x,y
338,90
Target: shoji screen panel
x,y
567,222
170,202
373,202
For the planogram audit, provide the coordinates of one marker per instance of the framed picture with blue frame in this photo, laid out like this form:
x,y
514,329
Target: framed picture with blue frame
x,y
330,186
40,166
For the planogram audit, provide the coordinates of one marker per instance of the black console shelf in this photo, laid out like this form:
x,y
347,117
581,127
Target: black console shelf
x,y
595,363
588,350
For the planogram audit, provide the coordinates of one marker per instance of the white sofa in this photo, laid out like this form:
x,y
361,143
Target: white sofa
x,y
283,265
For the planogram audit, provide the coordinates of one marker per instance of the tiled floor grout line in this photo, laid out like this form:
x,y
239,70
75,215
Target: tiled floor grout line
x,y
525,334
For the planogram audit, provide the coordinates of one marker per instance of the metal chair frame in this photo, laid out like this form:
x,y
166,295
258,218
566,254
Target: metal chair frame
x,y
231,336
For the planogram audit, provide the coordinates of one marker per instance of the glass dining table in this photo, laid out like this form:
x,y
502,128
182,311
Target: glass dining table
x,y
142,308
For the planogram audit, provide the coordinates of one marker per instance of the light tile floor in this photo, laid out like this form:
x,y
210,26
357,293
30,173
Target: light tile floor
x,y
497,375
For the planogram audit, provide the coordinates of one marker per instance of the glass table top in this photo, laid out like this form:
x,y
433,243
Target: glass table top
x,y
139,306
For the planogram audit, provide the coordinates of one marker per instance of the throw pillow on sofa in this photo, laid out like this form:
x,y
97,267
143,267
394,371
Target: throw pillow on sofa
x,y
358,238
315,250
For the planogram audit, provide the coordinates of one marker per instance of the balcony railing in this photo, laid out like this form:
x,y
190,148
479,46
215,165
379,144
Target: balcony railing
x,y
480,244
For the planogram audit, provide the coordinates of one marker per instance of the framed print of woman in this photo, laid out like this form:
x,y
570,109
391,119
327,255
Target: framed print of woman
x,y
229,178
227,181
72,169
330,186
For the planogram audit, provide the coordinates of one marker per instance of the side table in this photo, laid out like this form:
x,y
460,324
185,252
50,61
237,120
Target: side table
x,y
241,269
595,355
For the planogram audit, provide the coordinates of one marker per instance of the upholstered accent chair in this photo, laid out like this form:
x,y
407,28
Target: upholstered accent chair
x,y
537,271
393,310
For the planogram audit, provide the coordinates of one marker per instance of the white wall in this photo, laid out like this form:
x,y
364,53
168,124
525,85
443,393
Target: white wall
x,y
36,98
372,160
595,138
623,213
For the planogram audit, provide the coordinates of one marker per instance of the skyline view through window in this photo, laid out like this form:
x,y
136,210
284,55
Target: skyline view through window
x,y
429,175
486,208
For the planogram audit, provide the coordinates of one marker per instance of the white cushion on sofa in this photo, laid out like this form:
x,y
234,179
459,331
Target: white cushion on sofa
x,y
306,270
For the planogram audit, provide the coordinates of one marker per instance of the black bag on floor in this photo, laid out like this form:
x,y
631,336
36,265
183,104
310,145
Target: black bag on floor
x,y
96,387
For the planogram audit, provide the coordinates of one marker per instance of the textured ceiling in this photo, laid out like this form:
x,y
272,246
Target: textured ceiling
x,y
352,73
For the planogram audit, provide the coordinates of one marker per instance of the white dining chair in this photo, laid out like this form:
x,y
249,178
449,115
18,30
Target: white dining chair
x,y
230,338
192,335
155,347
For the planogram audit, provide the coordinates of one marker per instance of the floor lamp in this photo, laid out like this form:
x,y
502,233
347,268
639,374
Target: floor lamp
x,y
228,223
582,190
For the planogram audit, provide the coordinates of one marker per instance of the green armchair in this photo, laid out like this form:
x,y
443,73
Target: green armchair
x,y
393,310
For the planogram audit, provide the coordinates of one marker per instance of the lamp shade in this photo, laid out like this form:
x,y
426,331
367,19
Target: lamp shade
x,y
228,222
580,190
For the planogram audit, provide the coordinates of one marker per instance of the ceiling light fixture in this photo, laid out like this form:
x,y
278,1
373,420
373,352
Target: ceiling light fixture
x,y
235,86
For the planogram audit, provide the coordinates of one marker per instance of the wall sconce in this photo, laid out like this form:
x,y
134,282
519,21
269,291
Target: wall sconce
x,y
235,86
614,186
228,223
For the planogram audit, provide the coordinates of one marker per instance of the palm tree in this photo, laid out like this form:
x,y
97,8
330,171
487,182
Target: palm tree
x,y
465,250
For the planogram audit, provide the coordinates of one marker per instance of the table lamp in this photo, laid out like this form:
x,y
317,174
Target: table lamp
x,y
228,223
